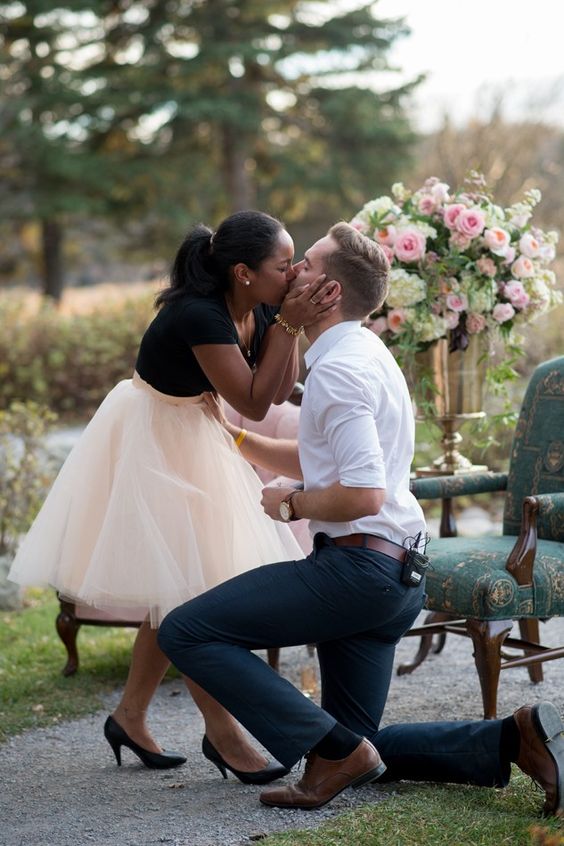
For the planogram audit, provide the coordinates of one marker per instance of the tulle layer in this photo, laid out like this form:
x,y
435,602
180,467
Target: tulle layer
x,y
153,506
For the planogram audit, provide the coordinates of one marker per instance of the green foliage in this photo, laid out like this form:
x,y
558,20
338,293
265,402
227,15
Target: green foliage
x,y
68,362
24,474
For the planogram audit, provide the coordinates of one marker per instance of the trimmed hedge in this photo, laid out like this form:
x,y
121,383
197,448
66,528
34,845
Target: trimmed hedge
x,y
68,363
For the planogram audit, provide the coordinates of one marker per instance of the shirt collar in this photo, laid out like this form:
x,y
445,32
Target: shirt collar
x,y
328,339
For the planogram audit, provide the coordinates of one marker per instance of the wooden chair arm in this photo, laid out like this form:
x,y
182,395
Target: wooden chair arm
x,y
522,556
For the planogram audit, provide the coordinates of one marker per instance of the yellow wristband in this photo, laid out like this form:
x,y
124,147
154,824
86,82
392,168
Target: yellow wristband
x,y
291,330
240,437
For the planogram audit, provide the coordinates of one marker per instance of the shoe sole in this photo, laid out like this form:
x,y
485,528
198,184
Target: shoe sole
x,y
370,777
549,724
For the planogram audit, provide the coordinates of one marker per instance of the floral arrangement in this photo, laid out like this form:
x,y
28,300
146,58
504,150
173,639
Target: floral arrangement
x,y
460,265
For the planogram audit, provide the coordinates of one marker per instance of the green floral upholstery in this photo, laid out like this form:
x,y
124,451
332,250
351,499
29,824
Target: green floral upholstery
x,y
550,519
445,487
537,454
468,578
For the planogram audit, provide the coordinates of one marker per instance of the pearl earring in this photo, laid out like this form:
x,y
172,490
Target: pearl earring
x,y
246,281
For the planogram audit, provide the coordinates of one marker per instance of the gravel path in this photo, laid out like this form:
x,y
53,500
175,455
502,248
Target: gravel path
x,y
60,786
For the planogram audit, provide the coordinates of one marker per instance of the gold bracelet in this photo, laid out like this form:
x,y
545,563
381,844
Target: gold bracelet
x,y
291,330
240,437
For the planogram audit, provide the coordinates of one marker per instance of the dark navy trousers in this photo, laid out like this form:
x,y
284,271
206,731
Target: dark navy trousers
x,y
352,604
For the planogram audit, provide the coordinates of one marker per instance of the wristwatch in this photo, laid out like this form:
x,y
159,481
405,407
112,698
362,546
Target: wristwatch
x,y
286,508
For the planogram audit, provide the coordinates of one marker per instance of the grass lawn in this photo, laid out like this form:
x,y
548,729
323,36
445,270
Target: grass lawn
x,y
34,693
432,815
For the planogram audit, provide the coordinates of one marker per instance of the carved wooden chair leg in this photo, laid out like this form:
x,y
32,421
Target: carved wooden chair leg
x,y
530,631
488,637
426,643
274,658
67,629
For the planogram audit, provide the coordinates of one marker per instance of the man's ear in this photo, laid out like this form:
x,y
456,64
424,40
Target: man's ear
x,y
333,291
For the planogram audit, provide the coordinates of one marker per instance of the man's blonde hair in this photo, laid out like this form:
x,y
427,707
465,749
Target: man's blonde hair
x,y
361,266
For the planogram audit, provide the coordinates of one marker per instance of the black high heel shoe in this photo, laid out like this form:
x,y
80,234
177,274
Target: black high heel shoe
x,y
269,773
117,738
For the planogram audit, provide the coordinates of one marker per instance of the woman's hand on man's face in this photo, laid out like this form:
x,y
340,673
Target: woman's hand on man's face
x,y
304,305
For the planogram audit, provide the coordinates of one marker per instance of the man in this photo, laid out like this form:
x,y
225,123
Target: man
x,y
359,590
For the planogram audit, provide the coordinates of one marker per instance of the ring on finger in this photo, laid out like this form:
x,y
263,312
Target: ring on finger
x,y
313,301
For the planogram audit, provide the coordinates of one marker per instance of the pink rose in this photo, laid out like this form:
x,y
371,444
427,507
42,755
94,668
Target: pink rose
x,y
486,266
516,294
410,245
529,245
509,255
396,319
457,302
452,319
451,214
471,222
497,240
503,312
388,252
523,268
459,241
475,323
379,325
385,236
426,204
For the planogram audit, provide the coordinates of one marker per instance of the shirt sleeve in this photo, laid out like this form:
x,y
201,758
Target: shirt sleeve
x,y
345,412
205,322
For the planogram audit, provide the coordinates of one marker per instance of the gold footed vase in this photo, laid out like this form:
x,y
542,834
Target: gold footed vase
x,y
450,391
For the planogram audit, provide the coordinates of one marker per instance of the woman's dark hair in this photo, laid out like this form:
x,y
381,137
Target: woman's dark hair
x,y
203,261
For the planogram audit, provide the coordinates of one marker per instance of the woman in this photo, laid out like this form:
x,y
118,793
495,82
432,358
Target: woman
x,y
155,504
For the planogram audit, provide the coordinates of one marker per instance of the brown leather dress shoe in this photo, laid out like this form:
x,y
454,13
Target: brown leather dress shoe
x,y
323,779
541,754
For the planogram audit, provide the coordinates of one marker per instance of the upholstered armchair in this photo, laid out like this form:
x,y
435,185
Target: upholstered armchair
x,y
478,587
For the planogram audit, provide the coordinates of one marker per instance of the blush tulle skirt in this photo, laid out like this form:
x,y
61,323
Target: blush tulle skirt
x,y
153,506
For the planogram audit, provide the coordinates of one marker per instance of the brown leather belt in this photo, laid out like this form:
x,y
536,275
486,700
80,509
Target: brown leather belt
x,y
394,550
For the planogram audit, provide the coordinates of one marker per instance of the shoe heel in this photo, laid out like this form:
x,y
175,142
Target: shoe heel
x,y
114,741
221,768
548,721
117,751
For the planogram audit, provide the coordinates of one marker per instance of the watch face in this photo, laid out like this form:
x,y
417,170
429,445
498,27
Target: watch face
x,y
286,511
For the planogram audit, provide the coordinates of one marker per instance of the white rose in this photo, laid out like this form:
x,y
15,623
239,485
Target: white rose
x,y
431,328
439,193
399,191
378,206
405,289
482,300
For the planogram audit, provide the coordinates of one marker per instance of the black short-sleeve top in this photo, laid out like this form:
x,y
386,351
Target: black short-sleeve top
x,y
165,358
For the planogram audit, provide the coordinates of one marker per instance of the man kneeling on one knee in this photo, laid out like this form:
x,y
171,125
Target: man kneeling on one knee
x,y
359,590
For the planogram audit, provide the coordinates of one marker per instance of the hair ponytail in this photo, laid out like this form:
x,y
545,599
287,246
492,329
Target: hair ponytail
x,y
191,271
203,262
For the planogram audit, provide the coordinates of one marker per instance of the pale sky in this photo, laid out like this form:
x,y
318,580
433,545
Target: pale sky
x,y
515,44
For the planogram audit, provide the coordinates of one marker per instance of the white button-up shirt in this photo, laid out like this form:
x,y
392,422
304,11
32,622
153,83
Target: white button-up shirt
x,y
357,428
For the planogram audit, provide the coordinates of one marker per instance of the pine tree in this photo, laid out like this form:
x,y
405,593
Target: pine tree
x,y
191,109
